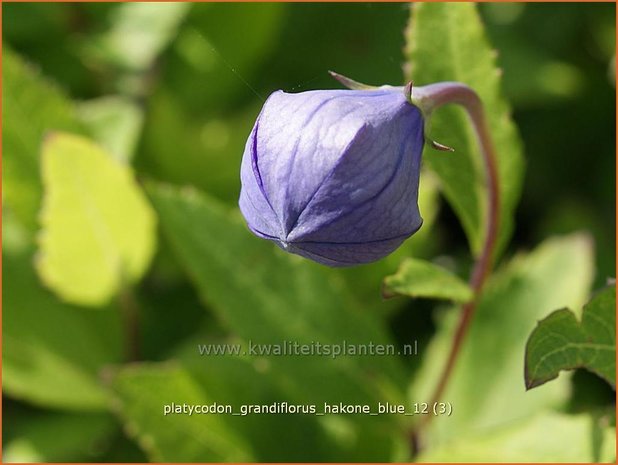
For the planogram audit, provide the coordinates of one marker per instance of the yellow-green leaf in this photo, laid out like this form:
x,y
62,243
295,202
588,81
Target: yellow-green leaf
x,y
98,229
543,437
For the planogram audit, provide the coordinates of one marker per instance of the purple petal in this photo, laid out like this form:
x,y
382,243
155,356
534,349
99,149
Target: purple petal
x,y
333,175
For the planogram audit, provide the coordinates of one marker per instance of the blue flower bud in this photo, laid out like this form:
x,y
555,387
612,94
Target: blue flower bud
x,y
333,175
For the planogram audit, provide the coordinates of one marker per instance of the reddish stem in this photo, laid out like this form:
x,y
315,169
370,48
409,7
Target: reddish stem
x,y
131,315
428,98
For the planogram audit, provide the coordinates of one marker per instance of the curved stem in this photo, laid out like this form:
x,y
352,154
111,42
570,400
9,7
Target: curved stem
x,y
428,98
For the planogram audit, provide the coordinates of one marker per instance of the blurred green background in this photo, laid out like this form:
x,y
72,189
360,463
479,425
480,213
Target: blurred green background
x,y
173,90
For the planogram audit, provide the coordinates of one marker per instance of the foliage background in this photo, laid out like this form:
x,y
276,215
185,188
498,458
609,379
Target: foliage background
x,y
173,90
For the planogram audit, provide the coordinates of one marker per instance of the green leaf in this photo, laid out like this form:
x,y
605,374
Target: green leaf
x,y
365,281
205,52
16,237
489,367
267,296
115,123
31,106
545,437
560,342
56,437
447,42
139,33
419,278
209,145
142,393
224,380
289,297
98,229
209,124
53,353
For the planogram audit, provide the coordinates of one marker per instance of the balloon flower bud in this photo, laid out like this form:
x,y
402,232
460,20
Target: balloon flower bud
x,y
333,175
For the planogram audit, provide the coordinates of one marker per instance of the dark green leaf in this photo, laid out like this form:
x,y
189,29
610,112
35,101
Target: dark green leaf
x,y
209,68
57,437
143,391
142,394
211,147
204,96
560,342
269,297
31,106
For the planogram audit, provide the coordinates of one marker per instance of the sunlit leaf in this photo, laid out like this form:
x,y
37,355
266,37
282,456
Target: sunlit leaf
x,y
98,229
544,437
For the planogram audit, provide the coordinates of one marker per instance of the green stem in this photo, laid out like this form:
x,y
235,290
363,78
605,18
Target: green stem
x,y
428,98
